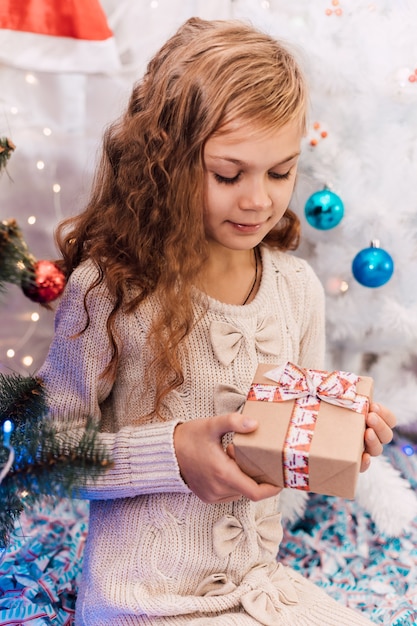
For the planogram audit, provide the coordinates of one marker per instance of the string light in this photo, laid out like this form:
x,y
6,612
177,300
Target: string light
x,y
20,352
336,286
408,450
7,431
31,79
11,352
56,188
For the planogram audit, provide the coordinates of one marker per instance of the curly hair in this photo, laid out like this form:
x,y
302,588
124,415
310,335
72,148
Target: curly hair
x,y
143,224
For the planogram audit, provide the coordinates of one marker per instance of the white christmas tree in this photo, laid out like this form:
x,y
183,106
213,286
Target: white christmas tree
x,y
361,61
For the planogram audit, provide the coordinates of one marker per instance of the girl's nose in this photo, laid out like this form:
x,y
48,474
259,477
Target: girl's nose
x,y
255,196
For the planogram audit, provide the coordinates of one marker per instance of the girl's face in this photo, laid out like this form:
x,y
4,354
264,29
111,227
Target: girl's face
x,y
249,179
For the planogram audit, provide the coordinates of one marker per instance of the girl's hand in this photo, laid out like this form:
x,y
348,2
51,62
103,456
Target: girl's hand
x,y
210,472
380,422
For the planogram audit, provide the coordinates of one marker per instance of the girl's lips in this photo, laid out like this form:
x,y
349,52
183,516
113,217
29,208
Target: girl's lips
x,y
246,228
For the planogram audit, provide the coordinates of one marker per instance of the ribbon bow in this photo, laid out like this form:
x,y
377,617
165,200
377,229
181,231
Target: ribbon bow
x,y
227,339
337,387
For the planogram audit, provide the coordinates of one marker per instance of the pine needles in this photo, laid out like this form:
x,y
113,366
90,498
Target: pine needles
x,y
47,462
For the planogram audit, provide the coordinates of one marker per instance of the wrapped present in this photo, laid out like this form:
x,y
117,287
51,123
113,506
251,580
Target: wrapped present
x,y
311,429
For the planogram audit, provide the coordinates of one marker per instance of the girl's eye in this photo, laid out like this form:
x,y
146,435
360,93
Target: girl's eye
x,y
230,181
277,176
226,180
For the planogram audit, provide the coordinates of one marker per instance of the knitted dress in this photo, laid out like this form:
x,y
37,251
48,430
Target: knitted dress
x,y
156,554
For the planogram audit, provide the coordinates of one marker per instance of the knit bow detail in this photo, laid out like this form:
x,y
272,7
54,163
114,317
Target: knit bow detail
x,y
264,600
228,399
266,589
228,532
227,340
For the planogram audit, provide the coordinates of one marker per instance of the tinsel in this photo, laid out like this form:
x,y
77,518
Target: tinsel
x,y
336,545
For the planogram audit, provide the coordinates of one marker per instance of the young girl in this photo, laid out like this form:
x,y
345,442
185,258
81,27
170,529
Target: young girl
x,y
179,284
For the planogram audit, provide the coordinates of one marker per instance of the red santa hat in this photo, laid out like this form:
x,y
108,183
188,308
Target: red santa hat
x,y
57,36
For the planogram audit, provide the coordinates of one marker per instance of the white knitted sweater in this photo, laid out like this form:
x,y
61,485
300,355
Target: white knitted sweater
x,y
155,553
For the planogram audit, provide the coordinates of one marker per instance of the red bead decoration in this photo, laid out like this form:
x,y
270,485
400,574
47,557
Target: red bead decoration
x,y
338,11
45,283
316,134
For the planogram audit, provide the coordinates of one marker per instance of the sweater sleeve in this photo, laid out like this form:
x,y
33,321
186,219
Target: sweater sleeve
x,y
143,457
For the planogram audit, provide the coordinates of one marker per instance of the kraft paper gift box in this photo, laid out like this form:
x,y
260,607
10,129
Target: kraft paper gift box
x,y
311,429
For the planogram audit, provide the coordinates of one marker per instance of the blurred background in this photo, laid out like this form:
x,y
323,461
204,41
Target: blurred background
x,y
66,77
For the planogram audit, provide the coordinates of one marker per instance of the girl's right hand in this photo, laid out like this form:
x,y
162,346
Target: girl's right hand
x,y
210,472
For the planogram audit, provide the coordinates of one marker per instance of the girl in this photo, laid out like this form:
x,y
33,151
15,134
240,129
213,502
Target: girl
x,y
179,284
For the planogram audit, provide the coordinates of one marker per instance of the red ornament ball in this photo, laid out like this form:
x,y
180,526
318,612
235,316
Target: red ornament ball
x,y
44,283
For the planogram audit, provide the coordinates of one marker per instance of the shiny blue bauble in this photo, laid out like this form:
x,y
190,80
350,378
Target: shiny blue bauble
x,y
324,209
372,267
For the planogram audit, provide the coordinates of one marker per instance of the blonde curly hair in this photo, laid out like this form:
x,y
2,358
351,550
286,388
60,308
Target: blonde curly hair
x,y
143,224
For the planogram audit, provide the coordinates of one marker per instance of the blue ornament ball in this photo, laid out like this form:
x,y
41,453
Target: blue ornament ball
x,y
372,267
324,209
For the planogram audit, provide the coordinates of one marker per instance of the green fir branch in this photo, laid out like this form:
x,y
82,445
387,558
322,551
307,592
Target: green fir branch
x,y
16,262
47,462
7,148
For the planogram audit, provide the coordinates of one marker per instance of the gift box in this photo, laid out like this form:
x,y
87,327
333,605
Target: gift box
x,y
311,429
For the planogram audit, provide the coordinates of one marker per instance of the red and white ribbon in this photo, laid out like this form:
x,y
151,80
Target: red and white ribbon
x,y
308,388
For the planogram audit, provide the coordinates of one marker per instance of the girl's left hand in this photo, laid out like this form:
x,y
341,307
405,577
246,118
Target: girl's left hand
x,y
380,422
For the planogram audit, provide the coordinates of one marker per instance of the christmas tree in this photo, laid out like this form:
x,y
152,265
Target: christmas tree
x,y
35,460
